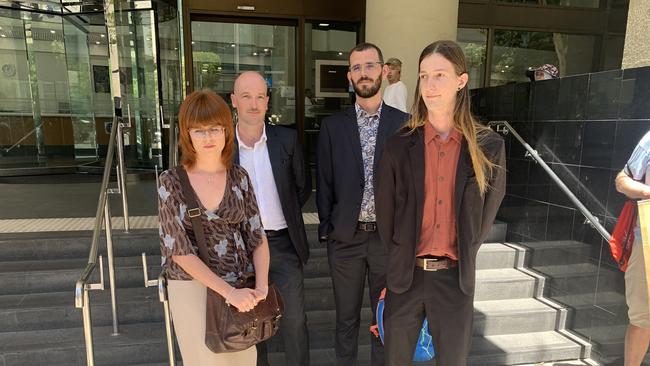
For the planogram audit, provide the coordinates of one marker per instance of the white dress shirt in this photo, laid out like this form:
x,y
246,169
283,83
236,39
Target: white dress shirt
x,y
395,95
257,163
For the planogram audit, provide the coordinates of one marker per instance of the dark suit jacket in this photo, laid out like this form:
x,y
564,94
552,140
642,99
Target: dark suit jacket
x,y
340,169
291,179
400,205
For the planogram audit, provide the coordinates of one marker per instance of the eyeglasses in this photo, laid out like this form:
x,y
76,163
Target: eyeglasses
x,y
203,133
368,66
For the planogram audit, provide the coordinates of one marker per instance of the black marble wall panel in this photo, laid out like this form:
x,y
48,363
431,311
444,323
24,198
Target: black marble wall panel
x,y
585,128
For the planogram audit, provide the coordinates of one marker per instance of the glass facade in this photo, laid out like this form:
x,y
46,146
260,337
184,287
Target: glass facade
x,y
56,96
327,91
221,51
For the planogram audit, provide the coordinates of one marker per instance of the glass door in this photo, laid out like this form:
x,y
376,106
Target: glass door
x,y
222,50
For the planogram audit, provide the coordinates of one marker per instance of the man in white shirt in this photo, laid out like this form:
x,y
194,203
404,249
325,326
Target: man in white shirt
x,y
274,161
395,93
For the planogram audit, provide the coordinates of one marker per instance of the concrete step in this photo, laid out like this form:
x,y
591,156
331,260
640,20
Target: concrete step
x,y
491,256
500,350
27,277
561,252
61,245
137,343
580,278
56,310
505,283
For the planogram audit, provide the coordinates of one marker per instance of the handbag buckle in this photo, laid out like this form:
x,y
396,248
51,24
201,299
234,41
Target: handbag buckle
x,y
194,212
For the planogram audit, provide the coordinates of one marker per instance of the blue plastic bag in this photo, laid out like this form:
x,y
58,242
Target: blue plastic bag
x,y
424,348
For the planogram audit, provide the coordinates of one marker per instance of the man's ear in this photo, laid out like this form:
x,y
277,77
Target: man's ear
x,y
233,100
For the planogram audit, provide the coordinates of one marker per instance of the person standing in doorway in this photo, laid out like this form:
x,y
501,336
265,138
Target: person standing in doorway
x,y
395,93
441,182
273,158
634,182
350,144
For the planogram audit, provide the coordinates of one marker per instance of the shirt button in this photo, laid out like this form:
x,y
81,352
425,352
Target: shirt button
x,y
441,178
442,154
440,202
437,226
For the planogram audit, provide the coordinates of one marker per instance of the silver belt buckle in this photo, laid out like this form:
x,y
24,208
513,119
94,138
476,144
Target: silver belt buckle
x,y
431,261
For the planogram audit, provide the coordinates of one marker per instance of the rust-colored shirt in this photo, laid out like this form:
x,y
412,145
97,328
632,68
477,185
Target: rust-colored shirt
x,y
438,233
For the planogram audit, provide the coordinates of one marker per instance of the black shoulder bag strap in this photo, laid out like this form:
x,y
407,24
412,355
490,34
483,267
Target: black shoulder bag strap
x,y
194,213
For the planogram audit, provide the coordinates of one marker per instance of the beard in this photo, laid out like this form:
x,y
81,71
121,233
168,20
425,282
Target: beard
x,y
367,91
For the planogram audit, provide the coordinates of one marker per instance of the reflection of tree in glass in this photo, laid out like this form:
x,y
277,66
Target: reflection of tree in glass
x,y
208,65
515,51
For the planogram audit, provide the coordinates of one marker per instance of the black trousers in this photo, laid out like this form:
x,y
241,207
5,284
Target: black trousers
x,y
450,313
287,273
350,263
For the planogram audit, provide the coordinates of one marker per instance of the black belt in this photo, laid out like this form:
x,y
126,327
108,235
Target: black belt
x,y
274,233
367,226
435,263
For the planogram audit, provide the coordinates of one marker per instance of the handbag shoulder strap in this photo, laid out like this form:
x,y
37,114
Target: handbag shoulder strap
x,y
194,213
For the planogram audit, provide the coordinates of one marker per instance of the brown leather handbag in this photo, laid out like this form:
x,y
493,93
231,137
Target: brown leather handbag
x,y
226,328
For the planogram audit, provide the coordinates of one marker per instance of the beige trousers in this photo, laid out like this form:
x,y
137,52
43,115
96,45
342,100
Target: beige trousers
x,y
187,304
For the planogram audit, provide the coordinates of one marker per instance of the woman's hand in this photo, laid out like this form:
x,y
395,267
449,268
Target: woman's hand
x,y
261,293
244,299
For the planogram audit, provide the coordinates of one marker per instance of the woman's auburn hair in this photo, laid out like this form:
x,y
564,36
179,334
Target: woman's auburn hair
x,y
204,108
473,132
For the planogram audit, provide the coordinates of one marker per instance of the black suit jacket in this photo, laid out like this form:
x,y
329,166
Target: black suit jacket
x,y
400,205
340,169
291,179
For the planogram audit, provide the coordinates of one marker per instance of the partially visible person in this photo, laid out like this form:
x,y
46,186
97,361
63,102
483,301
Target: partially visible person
x,y
441,182
395,93
634,182
237,245
273,158
544,72
350,144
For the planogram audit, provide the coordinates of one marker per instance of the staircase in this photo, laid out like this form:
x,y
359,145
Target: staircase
x,y
513,323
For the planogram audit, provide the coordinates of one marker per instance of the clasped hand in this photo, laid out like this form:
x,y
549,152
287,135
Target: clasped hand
x,y
245,299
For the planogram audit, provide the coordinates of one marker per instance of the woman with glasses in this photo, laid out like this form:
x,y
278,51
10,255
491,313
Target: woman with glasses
x,y
237,246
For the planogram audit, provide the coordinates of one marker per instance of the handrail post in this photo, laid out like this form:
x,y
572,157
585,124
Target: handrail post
x,y
88,329
161,283
162,290
121,168
111,266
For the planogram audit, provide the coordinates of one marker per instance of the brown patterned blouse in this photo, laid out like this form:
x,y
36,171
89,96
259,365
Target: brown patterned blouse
x,y
232,231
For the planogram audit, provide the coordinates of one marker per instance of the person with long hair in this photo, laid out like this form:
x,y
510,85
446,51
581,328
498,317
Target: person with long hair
x,y
237,245
441,181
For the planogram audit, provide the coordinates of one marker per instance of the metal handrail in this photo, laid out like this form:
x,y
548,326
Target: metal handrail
x,y
593,220
82,287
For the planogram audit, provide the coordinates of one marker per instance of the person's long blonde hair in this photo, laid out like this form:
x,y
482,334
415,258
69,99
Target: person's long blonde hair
x,y
464,121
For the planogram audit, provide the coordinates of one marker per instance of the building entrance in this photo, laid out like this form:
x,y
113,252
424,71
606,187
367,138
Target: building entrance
x,y
56,102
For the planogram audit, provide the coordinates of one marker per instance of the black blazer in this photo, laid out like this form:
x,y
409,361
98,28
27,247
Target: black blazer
x,y
400,205
341,179
291,179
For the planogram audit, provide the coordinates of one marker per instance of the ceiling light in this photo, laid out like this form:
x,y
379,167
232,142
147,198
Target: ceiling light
x,y
323,24
102,35
254,53
52,31
266,50
130,32
3,35
340,53
98,42
232,45
193,42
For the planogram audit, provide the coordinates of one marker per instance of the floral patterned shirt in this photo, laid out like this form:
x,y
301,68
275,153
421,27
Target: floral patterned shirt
x,y
368,125
232,231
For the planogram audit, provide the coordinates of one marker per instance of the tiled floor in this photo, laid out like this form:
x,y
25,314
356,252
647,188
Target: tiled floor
x,y
86,223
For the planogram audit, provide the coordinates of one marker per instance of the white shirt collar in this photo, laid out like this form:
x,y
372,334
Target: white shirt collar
x,y
262,139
